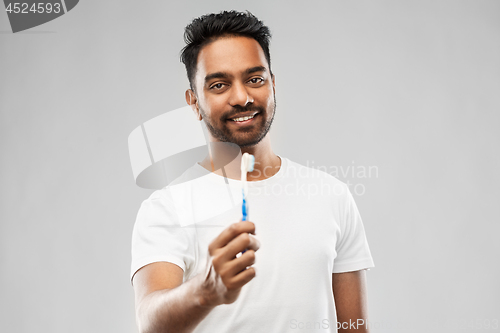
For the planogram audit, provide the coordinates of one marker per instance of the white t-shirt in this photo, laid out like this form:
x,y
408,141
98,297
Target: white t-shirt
x,y
308,226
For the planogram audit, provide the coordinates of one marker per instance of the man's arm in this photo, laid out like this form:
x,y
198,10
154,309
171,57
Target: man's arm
x,y
163,301
165,304
349,292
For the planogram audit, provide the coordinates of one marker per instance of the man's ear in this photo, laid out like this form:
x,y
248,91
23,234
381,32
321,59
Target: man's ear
x,y
274,83
192,101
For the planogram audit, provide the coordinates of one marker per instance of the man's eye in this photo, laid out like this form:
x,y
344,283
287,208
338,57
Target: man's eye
x,y
217,86
256,80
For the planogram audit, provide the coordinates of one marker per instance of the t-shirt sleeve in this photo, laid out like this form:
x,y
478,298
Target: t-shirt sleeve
x,y
158,236
352,249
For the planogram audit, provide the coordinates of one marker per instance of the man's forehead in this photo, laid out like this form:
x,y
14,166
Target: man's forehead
x,y
230,55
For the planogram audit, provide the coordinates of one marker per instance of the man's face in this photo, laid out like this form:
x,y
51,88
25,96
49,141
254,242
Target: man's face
x,y
233,80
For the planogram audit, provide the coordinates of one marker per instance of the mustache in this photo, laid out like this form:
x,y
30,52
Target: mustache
x,y
239,109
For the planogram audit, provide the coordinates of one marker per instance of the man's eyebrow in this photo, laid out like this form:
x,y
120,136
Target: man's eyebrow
x,y
217,75
256,69
223,75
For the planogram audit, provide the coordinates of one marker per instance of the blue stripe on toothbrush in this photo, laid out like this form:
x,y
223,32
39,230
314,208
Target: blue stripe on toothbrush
x,y
244,208
244,211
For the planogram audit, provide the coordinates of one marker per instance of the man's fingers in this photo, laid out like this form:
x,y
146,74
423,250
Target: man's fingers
x,y
237,265
222,257
254,243
231,232
241,279
239,244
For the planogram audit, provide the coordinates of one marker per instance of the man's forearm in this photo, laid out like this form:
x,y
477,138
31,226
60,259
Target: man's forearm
x,y
173,310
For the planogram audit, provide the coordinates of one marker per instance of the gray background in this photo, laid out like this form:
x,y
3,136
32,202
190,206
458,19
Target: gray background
x,y
411,87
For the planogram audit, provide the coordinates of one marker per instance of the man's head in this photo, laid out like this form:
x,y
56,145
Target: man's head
x,y
230,76
208,28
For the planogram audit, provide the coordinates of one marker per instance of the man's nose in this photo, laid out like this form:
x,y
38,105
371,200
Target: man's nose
x,y
240,95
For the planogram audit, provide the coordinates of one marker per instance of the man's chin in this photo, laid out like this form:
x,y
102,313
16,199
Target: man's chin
x,y
248,145
244,143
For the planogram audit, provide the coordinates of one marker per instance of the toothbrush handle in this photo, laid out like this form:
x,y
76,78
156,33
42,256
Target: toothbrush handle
x,y
244,212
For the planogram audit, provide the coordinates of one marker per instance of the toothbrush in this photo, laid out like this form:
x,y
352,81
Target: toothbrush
x,y
247,164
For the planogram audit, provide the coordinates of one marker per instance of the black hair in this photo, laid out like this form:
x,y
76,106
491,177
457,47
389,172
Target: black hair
x,y
207,28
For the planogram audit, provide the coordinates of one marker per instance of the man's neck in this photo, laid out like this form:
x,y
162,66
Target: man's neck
x,y
267,164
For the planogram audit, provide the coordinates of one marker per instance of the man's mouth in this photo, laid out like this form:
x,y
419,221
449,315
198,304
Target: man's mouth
x,y
243,120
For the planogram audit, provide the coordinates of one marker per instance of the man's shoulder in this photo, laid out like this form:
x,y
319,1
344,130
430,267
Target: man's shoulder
x,y
166,193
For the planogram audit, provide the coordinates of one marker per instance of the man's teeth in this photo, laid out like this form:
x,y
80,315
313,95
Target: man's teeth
x,y
243,118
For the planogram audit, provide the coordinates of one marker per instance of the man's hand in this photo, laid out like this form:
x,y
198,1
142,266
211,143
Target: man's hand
x,y
165,304
225,273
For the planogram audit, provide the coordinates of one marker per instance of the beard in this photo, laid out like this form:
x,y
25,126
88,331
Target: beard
x,y
243,137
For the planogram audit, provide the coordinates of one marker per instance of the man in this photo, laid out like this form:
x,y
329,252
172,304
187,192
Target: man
x,y
195,266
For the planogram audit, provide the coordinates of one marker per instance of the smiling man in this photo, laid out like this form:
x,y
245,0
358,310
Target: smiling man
x,y
222,67
298,265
